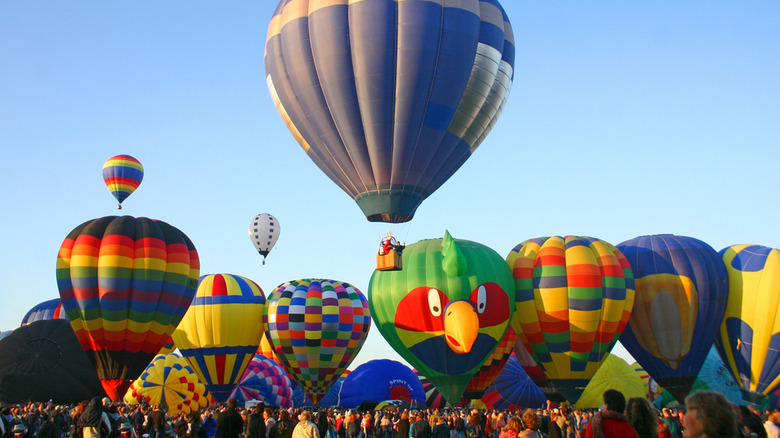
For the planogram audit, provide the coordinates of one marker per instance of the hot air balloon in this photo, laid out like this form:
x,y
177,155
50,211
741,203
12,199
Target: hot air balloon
x,y
125,284
446,311
264,232
379,380
513,389
220,333
265,381
316,327
169,382
122,174
389,98
433,397
492,367
614,373
51,309
167,348
537,374
749,338
43,360
681,293
574,298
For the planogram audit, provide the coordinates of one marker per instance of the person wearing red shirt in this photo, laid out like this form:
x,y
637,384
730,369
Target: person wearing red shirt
x,y
611,422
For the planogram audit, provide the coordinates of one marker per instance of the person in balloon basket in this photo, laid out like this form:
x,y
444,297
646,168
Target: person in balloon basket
x,y
305,428
93,418
611,422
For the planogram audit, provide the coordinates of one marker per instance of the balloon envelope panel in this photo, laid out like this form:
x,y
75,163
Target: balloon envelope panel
x,y
51,309
681,295
513,389
749,338
389,98
265,381
574,299
614,373
170,382
379,380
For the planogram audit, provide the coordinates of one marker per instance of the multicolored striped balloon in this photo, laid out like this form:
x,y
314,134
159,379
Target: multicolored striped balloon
x,y
574,299
316,327
681,295
749,338
125,284
169,382
51,309
513,389
220,333
122,174
266,381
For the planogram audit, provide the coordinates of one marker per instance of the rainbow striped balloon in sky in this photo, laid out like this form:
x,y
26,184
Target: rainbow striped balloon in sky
x,y
122,174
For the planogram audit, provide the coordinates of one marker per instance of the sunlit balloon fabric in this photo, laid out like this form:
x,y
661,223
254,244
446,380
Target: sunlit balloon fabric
x,y
125,283
51,309
614,373
492,367
681,294
316,327
389,98
446,311
574,298
749,338
265,381
433,397
122,174
220,333
264,232
380,380
169,382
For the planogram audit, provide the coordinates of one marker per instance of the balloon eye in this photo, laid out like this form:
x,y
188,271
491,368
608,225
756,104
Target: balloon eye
x,y
434,302
481,299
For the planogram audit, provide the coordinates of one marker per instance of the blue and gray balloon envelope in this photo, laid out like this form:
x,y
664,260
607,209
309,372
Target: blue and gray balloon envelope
x,y
389,98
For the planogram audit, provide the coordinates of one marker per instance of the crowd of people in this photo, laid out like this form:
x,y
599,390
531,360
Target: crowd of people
x,y
707,415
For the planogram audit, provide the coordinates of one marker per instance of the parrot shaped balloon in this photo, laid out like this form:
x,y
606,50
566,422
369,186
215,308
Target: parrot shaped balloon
x,y
264,232
681,294
220,333
574,299
125,283
446,311
122,174
316,327
749,337
389,98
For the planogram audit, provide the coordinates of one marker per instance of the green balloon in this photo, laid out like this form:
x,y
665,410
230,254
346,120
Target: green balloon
x,y
446,311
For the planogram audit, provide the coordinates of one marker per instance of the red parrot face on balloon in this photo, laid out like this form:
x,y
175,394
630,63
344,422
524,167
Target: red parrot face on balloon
x,y
442,331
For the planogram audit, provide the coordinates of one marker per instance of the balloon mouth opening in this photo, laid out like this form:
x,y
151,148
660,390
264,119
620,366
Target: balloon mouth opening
x,y
393,206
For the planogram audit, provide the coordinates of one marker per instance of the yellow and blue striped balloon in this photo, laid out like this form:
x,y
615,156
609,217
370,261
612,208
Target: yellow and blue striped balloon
x,y
221,331
749,338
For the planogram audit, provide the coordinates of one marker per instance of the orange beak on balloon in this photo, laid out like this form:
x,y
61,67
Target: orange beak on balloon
x,y
461,326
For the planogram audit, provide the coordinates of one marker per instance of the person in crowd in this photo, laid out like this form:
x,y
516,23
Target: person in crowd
x,y
305,428
270,420
323,425
530,425
750,422
283,427
511,429
209,426
474,426
709,415
92,419
670,424
611,422
554,429
421,428
771,425
440,430
402,426
643,417
255,423
155,422
229,423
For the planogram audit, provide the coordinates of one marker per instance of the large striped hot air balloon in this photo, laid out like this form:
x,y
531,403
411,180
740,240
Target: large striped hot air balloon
x,y
220,333
316,327
681,294
574,298
749,338
389,98
51,309
122,174
125,284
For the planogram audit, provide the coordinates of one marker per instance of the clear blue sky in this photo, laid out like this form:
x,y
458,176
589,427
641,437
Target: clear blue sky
x,y
625,118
